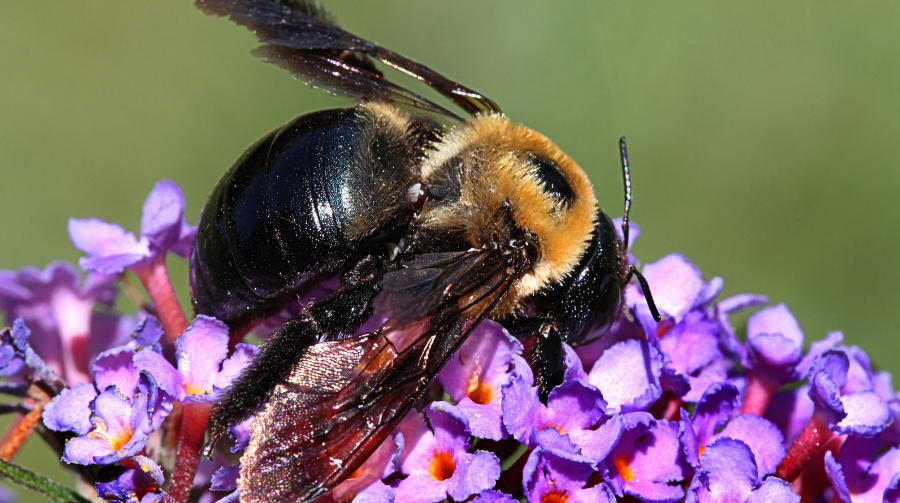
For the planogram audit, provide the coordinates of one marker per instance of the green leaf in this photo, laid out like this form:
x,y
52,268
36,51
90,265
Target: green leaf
x,y
52,490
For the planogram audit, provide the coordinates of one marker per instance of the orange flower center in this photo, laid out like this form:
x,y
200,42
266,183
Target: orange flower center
x,y
480,392
624,468
555,497
664,327
442,466
119,440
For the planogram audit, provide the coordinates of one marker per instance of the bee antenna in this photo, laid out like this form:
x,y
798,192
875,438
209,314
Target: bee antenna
x,y
632,271
626,174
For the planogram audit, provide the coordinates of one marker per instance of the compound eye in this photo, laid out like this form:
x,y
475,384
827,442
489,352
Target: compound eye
x,y
554,182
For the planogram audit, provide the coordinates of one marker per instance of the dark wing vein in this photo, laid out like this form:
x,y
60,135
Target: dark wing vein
x,y
335,59
345,397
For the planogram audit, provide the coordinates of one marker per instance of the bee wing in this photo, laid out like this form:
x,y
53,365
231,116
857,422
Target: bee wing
x,y
302,37
347,74
343,398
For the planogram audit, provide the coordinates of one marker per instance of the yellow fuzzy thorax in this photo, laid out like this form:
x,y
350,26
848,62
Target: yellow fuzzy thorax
x,y
498,178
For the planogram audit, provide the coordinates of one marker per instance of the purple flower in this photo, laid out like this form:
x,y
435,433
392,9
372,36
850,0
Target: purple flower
x,y
648,459
729,306
112,369
693,347
790,411
437,460
202,367
862,413
492,496
111,249
628,375
384,462
119,426
225,479
729,475
774,355
141,484
575,414
551,477
856,478
475,375
71,409
774,343
59,308
711,412
677,285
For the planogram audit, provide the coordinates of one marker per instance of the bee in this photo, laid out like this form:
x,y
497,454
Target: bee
x,y
428,222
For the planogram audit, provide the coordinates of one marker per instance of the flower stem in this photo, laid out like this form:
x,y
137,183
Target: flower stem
x,y
813,480
190,442
25,427
814,434
760,391
155,279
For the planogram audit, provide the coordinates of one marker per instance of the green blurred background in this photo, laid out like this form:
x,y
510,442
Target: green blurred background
x,y
763,136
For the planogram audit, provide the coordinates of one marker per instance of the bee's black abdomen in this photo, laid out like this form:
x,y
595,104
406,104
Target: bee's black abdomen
x,y
305,201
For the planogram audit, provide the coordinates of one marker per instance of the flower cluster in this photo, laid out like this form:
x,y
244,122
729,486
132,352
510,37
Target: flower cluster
x,y
668,411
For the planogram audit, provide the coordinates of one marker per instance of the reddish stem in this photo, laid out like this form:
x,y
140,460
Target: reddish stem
x,y
155,279
190,442
814,434
24,428
667,407
760,391
237,336
813,480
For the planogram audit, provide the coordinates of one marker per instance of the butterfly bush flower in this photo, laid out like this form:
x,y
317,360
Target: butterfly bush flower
x,y
550,476
112,250
475,375
141,484
680,410
203,366
729,474
437,461
119,425
58,305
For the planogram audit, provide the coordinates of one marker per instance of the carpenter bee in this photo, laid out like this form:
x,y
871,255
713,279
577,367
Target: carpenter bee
x,y
429,223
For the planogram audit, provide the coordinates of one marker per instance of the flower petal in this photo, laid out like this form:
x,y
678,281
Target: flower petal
x,y
162,214
765,441
110,248
728,472
867,414
200,351
70,410
628,376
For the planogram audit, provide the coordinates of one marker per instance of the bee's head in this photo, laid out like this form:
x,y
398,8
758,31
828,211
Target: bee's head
x,y
587,303
497,181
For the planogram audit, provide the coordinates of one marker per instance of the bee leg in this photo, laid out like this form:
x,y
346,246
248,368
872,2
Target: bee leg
x,y
340,313
547,360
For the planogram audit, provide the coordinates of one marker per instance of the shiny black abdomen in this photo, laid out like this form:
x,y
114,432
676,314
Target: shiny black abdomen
x,y
304,202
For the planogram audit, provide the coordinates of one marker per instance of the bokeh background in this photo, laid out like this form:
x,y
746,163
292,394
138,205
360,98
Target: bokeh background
x,y
763,136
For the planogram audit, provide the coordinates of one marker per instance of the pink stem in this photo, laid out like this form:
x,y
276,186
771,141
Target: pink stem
x,y
155,279
190,442
813,480
804,448
760,391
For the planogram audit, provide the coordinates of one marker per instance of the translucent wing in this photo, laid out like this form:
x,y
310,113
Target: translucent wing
x,y
303,38
343,398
